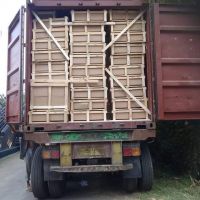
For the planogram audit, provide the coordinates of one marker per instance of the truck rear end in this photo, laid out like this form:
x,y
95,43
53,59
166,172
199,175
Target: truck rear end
x,y
89,90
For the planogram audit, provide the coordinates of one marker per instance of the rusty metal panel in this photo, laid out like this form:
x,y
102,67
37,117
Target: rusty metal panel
x,y
91,150
177,51
15,69
86,3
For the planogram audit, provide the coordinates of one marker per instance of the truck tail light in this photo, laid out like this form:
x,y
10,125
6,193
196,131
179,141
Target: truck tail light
x,y
50,154
131,151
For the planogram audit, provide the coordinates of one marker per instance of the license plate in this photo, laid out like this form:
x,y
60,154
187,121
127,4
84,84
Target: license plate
x,y
81,151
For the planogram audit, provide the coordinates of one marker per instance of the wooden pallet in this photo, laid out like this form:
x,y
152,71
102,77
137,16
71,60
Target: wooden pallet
x,y
88,37
118,93
88,82
48,44
135,70
138,26
127,104
123,15
87,71
56,32
50,67
86,28
87,59
89,16
88,93
131,59
130,115
88,105
44,77
51,23
88,116
129,81
86,48
129,37
49,96
48,116
128,48
42,56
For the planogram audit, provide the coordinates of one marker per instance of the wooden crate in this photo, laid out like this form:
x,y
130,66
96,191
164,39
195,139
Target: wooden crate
x,y
127,104
42,56
49,96
86,28
96,82
130,115
88,116
88,105
130,37
89,16
86,48
131,59
87,59
138,26
48,116
88,37
51,23
56,32
50,77
123,15
50,67
87,71
118,93
129,81
135,70
128,48
48,44
88,93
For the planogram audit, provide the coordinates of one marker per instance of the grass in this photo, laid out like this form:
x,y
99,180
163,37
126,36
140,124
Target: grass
x,y
172,188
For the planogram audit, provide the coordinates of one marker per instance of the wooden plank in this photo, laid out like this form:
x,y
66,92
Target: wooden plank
x,y
123,31
50,35
128,92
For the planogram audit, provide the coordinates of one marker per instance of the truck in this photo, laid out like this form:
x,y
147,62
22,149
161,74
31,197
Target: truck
x,y
87,81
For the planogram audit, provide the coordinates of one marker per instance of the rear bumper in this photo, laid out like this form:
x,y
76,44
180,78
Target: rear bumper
x,y
91,168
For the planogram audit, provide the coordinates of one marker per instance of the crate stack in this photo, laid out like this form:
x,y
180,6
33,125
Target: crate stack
x,y
49,83
127,65
87,63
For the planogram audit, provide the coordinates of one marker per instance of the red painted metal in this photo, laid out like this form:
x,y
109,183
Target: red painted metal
x,y
177,51
88,3
15,69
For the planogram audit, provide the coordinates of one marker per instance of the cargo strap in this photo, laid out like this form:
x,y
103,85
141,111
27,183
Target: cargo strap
x,y
123,31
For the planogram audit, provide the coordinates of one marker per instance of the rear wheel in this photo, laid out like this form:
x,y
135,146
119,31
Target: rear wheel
x,y
130,184
39,186
56,188
146,181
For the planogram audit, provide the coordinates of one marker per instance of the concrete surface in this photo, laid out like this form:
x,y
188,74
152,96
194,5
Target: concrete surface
x,y
13,187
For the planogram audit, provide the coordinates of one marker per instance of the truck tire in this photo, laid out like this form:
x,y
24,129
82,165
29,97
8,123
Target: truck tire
x,y
146,181
130,184
39,186
56,188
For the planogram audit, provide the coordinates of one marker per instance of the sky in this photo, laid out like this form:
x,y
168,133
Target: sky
x,y
8,9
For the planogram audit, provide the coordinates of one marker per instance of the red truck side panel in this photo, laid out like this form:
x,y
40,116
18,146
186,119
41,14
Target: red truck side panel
x,y
177,49
15,69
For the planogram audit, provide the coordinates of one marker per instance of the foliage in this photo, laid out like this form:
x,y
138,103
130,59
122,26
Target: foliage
x,y
177,147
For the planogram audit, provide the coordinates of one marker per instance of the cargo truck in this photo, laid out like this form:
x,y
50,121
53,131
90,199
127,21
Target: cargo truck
x,y
88,80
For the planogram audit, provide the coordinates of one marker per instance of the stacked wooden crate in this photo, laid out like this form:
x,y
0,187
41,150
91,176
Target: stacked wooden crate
x,y
127,65
87,63
49,83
